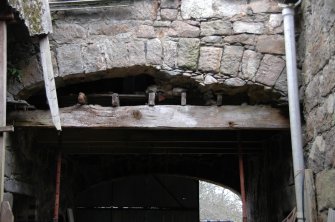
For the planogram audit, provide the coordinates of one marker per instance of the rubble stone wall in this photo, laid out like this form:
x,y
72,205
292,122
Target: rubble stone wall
x,y
229,44
317,57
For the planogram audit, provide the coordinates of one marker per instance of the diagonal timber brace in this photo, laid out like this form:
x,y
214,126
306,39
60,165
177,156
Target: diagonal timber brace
x,y
49,81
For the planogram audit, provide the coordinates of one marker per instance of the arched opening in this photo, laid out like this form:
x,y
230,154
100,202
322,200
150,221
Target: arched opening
x,y
157,197
217,203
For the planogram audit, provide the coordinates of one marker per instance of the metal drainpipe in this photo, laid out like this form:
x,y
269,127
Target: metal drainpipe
x,y
294,107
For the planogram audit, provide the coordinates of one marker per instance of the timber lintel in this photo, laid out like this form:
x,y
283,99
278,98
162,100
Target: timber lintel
x,y
157,117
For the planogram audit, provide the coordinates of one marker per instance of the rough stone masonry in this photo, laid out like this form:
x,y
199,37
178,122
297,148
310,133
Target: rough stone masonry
x,y
228,45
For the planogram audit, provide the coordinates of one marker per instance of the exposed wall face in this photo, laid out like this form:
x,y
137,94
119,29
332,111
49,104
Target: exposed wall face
x,y
221,43
317,50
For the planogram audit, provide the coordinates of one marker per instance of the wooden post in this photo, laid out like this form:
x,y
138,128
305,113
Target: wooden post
x,y
183,99
151,101
115,100
242,185
3,94
219,99
309,197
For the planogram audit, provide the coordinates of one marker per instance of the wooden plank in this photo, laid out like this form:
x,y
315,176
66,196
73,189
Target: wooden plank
x,y
309,197
49,81
158,117
6,129
3,95
331,215
70,215
6,212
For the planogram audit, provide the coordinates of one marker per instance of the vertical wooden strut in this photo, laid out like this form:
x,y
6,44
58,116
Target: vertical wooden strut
x,y
242,185
3,94
57,193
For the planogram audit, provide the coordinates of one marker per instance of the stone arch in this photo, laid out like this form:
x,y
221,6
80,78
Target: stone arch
x,y
206,86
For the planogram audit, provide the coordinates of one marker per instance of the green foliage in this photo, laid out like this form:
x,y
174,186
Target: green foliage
x,y
13,73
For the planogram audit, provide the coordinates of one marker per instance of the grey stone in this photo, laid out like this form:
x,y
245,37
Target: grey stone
x,y
170,53
169,3
275,24
270,69
145,31
271,44
249,27
196,9
68,32
162,23
210,58
188,53
15,186
312,93
9,197
117,54
211,8
210,80
231,60
154,51
259,6
110,29
218,27
316,153
182,29
212,39
69,59
325,189
31,71
281,83
245,39
169,14
250,64
199,77
94,56
327,79
234,82
136,51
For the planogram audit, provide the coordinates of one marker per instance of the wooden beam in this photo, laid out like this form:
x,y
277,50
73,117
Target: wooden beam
x,y
309,197
6,129
49,81
158,117
3,96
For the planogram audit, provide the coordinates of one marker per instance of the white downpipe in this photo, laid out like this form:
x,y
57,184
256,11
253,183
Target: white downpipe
x,y
294,106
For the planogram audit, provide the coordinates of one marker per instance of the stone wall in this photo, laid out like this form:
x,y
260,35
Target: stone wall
x,y
317,53
223,45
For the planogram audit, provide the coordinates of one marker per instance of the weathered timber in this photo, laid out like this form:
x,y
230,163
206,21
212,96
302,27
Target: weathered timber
x,y
183,99
158,117
331,215
115,100
3,93
49,81
6,212
309,197
6,129
151,99
219,99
